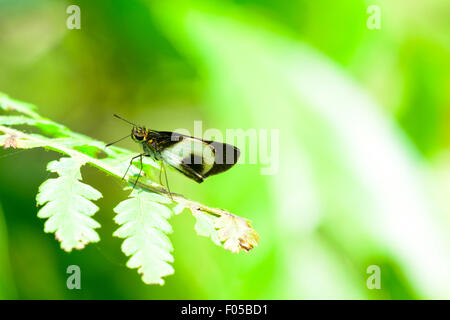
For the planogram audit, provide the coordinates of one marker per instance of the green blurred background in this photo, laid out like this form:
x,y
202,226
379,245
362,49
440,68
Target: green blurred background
x,y
364,153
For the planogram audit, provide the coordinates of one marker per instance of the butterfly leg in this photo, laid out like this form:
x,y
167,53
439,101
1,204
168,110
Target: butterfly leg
x,y
160,172
140,171
131,162
165,175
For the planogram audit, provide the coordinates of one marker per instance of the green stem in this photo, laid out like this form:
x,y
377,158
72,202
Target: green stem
x,y
148,185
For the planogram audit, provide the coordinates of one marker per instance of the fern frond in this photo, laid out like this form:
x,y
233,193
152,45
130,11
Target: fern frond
x,y
68,206
67,202
143,225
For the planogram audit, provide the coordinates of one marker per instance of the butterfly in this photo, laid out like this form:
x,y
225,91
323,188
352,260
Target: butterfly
x,y
196,158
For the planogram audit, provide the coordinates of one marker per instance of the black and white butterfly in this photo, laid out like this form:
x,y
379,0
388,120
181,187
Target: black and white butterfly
x,y
196,158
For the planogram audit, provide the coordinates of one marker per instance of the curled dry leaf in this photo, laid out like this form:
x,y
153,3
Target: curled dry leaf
x,y
236,233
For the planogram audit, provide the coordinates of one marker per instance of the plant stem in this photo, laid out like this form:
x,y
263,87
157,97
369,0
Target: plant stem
x,y
148,185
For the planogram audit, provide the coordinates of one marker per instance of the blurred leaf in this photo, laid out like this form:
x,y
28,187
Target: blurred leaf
x,y
67,205
348,180
30,29
143,225
7,289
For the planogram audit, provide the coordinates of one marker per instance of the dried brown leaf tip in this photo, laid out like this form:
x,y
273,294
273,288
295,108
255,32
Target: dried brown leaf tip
x,y
236,233
10,142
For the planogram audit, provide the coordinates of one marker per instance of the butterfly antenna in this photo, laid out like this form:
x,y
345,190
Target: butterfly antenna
x,y
119,117
110,144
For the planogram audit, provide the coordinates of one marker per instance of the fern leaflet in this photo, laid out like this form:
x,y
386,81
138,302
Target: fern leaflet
x,y
67,205
143,225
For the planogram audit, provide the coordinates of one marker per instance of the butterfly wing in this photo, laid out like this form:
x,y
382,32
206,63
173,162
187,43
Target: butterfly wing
x,y
196,158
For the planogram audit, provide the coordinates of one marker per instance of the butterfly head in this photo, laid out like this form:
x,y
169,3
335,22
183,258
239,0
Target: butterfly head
x,y
139,134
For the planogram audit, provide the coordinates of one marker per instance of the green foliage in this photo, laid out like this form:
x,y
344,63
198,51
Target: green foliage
x,y
67,202
351,190
7,290
348,180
